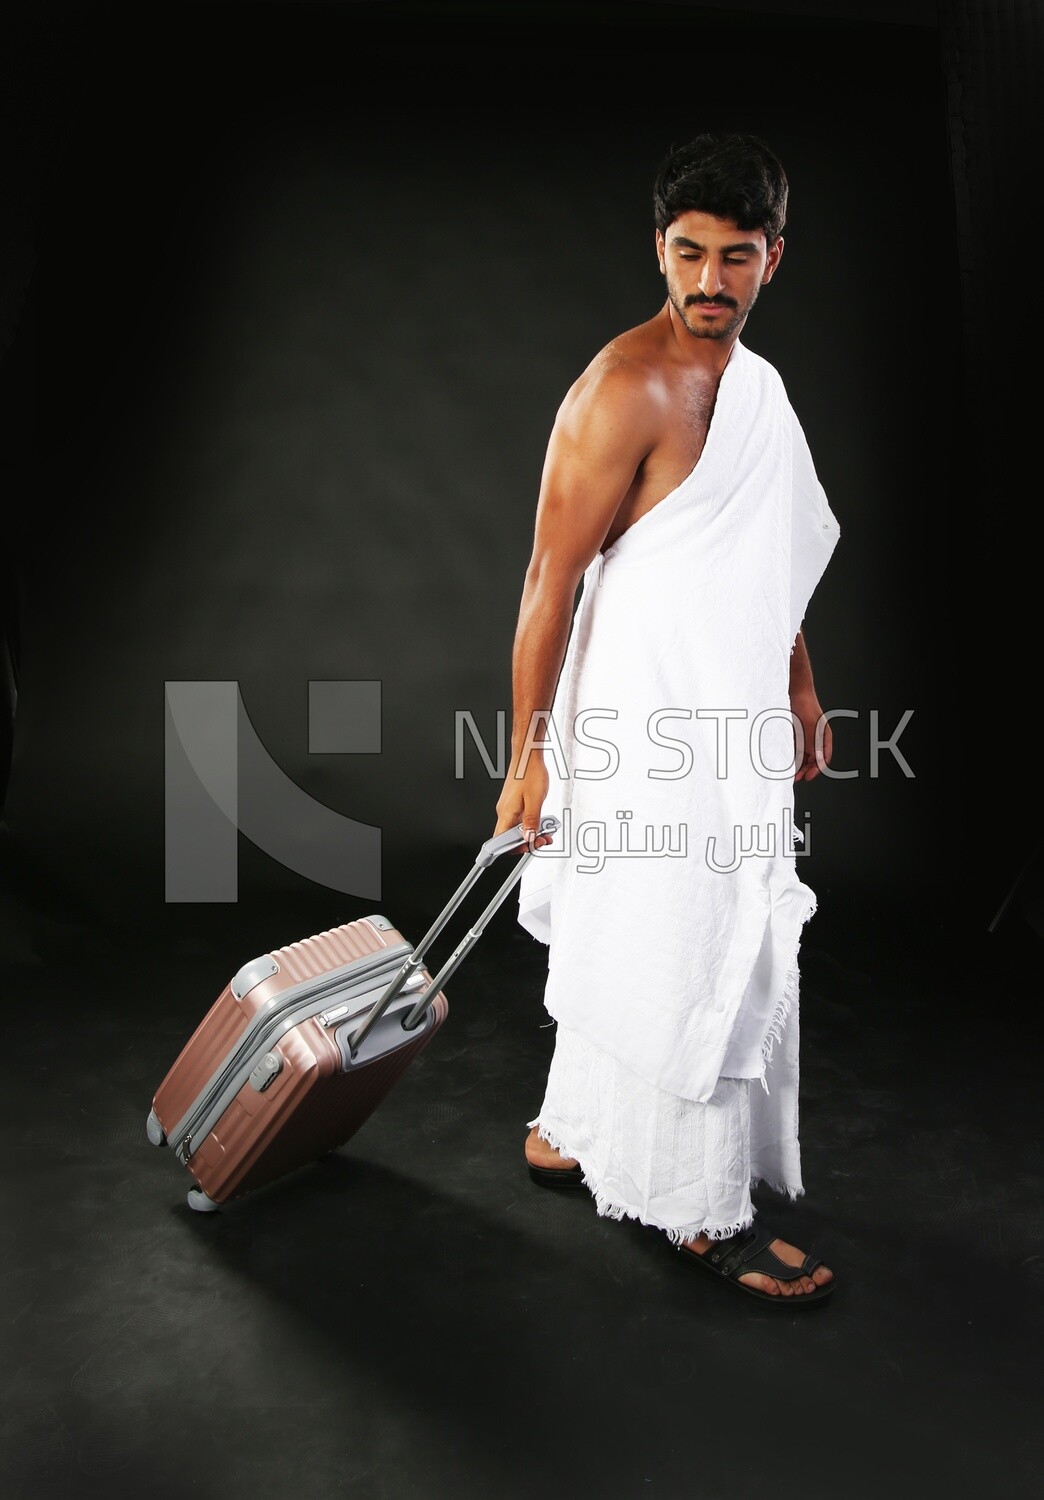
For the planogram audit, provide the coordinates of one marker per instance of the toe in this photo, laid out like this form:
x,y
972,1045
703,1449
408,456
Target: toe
x,y
761,1283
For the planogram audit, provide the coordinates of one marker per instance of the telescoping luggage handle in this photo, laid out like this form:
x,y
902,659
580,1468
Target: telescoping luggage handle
x,y
490,850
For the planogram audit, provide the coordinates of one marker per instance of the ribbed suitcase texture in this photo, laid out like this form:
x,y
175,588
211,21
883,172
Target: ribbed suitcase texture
x,y
312,1106
304,1043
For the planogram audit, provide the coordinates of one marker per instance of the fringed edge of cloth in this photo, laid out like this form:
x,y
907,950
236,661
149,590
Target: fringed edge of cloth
x,y
783,1188
785,1005
607,1209
780,1017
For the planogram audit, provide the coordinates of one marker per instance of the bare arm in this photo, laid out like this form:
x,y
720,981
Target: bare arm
x,y
601,434
812,755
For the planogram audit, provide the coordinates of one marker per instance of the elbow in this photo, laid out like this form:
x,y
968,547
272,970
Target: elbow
x,y
550,578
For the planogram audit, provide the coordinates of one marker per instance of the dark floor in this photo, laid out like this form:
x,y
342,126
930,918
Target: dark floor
x,y
412,1318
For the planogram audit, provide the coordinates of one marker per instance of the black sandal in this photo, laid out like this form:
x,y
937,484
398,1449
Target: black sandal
x,y
557,1176
748,1250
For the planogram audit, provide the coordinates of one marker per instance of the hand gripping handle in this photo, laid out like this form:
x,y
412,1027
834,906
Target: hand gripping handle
x,y
501,843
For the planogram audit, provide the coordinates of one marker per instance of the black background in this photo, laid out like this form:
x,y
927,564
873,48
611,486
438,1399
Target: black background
x,y
308,283
291,295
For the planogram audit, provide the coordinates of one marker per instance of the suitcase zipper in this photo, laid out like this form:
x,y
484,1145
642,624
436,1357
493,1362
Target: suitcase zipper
x,y
294,1005
359,979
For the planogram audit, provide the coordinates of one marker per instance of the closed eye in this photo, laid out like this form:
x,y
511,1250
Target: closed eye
x,y
728,260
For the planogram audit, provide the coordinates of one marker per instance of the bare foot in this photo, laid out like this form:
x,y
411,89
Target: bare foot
x,y
788,1254
540,1154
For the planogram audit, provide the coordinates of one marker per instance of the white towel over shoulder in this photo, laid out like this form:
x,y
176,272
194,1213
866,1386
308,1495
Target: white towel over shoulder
x,y
670,899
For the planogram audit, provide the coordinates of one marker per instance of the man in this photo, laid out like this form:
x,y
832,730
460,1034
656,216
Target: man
x,y
676,707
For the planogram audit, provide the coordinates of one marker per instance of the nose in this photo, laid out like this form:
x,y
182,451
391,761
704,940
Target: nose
x,y
711,282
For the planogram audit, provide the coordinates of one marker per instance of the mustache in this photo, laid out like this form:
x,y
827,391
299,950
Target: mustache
x,y
697,300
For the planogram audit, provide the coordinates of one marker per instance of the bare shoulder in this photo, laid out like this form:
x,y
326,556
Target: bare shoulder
x,y
624,380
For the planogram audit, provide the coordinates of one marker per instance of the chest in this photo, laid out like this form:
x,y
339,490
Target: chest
x,y
688,408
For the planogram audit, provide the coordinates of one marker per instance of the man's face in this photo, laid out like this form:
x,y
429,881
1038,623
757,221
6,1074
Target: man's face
x,y
714,272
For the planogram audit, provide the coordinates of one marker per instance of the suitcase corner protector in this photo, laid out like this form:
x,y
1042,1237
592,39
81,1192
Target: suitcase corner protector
x,y
378,920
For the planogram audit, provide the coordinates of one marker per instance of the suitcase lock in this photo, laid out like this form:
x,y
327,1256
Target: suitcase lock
x,y
266,1071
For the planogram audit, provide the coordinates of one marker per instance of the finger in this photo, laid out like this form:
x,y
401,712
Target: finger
x,y
531,828
503,824
824,743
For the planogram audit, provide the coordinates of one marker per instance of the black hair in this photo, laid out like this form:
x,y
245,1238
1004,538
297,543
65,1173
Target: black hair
x,y
730,175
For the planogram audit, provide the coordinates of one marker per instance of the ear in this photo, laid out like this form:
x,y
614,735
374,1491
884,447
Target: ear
x,y
661,253
772,260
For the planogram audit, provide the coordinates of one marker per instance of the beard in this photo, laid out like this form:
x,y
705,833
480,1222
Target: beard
x,y
688,310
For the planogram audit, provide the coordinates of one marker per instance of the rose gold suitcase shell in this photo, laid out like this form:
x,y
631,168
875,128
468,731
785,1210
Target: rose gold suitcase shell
x,y
304,1043
311,1105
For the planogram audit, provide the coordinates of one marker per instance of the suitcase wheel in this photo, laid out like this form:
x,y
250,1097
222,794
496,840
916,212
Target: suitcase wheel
x,y
154,1130
198,1200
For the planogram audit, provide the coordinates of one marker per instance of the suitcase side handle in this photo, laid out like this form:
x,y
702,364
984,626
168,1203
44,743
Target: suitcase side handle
x,y
514,838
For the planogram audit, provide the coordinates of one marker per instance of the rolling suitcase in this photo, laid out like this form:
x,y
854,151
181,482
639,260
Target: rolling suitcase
x,y
304,1043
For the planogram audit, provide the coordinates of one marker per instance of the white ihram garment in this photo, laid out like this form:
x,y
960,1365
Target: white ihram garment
x,y
669,899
